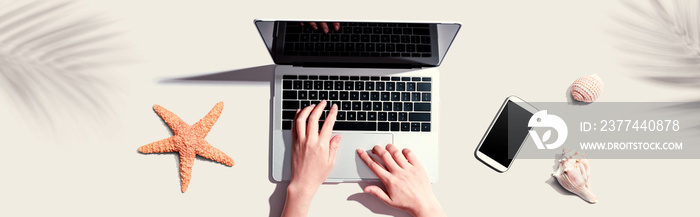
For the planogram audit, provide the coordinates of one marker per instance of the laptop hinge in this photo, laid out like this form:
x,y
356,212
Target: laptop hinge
x,y
356,65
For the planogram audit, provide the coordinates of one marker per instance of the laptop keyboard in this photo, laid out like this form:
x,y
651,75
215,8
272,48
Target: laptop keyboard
x,y
365,103
359,39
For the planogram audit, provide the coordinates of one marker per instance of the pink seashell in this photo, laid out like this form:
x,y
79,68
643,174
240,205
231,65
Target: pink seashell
x,y
587,88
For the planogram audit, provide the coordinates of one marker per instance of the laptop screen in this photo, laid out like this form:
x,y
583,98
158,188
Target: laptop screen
x,y
359,43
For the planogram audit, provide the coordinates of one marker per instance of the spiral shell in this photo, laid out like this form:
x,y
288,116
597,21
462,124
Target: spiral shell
x,y
587,88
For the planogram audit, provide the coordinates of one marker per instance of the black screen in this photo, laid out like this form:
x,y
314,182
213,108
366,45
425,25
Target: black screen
x,y
507,134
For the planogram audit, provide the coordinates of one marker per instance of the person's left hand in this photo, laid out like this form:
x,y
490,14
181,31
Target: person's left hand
x,y
313,153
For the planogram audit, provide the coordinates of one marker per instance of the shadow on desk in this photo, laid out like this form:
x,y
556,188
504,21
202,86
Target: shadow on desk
x,y
259,74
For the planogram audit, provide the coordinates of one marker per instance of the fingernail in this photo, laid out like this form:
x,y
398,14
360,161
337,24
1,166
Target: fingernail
x,y
367,190
359,151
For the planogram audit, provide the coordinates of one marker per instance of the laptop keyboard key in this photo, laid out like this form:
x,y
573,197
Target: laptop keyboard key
x,y
367,106
354,95
286,125
351,116
377,106
419,117
290,105
392,116
333,95
369,85
398,106
395,96
423,87
383,126
405,97
415,126
425,127
355,126
381,116
356,105
343,95
379,86
385,96
346,106
426,97
338,85
361,116
411,86
364,95
403,116
421,106
371,116
407,106
359,85
415,96
289,94
400,86
302,94
323,95
395,126
405,126
374,96
387,106
340,116
390,86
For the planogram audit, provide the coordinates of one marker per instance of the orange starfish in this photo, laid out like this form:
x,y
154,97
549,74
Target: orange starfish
x,y
188,141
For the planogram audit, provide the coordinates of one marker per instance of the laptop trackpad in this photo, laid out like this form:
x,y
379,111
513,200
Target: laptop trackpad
x,y
348,165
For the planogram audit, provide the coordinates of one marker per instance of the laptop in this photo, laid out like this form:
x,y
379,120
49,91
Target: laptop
x,y
383,76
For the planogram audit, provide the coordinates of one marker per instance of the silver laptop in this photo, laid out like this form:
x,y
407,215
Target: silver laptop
x,y
382,75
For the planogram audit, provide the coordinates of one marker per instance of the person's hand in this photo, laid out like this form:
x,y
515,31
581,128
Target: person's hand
x,y
313,153
323,25
313,157
407,183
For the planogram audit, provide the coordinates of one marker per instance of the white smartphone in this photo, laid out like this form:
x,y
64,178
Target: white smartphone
x,y
505,136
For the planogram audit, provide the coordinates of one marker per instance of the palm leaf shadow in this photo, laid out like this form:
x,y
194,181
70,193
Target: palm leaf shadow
x,y
53,65
663,40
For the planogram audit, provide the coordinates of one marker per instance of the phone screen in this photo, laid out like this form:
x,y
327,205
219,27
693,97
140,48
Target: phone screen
x,y
507,134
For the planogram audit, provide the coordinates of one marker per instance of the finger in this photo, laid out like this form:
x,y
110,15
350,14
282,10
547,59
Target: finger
x,y
397,155
300,122
411,157
336,26
389,162
379,193
327,128
313,25
333,148
374,166
324,27
312,127
294,128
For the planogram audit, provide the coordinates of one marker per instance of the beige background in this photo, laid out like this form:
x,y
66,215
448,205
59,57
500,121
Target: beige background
x,y
533,49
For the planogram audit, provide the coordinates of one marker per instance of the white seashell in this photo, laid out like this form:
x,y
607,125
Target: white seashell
x,y
587,88
573,174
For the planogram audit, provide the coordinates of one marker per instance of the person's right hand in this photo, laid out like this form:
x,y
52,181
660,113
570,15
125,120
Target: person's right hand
x,y
324,26
407,183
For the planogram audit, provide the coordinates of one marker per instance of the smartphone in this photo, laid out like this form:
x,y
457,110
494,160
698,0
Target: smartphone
x,y
506,135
